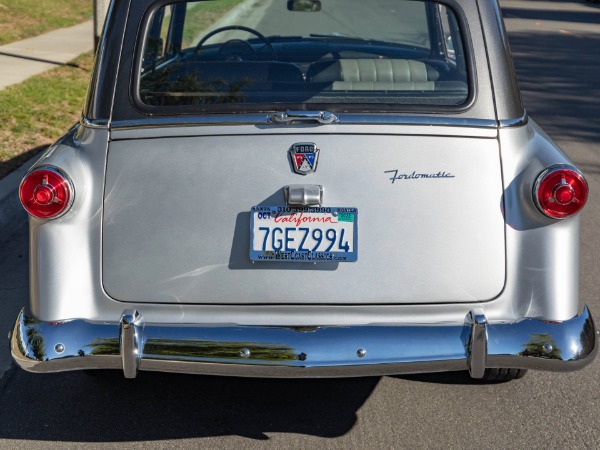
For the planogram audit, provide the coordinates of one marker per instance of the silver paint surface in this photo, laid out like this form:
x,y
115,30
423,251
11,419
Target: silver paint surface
x,y
176,220
74,289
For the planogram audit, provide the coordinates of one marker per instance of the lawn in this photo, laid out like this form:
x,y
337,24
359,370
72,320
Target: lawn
x,y
201,15
36,112
20,19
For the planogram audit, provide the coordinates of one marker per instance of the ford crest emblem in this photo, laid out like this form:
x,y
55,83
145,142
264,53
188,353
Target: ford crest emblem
x,y
305,156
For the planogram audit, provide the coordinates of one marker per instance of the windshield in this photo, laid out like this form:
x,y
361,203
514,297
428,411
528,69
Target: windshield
x,y
249,55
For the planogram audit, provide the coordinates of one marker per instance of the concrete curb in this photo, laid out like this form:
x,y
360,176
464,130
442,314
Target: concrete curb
x,y
12,214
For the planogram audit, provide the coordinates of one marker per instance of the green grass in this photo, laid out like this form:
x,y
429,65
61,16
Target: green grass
x,y
36,112
198,17
201,15
33,114
20,19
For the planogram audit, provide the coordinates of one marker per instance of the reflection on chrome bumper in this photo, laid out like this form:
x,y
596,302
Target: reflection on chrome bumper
x,y
133,345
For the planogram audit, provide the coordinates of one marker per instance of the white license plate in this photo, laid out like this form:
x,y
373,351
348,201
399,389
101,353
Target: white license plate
x,y
281,233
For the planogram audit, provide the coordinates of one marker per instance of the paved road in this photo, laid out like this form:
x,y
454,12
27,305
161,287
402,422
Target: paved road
x,y
557,49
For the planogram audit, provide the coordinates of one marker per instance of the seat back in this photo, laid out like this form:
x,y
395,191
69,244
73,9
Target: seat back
x,y
371,71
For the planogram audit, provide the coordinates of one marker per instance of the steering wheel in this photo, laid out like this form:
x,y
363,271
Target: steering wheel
x,y
242,46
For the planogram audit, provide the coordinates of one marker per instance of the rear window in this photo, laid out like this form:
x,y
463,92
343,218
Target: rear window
x,y
252,55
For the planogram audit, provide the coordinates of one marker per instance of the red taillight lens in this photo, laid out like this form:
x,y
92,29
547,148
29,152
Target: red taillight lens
x,y
560,191
46,193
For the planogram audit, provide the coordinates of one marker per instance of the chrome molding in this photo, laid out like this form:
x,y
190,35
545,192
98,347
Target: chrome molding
x,y
511,123
102,124
288,352
265,119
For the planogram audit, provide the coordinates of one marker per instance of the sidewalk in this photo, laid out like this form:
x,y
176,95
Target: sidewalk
x,y
23,59
19,61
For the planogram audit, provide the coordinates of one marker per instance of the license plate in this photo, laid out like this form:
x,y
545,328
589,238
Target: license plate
x,y
281,233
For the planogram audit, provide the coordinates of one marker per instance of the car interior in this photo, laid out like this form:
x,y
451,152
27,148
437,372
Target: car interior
x,y
422,67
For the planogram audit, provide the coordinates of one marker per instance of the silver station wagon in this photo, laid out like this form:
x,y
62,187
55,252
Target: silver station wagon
x,y
304,188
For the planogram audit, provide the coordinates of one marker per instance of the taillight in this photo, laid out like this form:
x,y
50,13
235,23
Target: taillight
x,y
560,191
46,192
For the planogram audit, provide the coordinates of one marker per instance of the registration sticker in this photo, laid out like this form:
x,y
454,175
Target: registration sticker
x,y
281,233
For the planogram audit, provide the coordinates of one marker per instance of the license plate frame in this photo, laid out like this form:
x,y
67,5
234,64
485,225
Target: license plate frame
x,y
287,234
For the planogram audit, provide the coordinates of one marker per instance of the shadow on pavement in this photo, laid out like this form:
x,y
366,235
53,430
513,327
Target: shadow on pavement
x,y
7,167
76,407
461,377
450,378
42,60
559,16
564,102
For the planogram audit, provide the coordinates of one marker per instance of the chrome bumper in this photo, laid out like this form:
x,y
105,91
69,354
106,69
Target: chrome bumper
x,y
133,345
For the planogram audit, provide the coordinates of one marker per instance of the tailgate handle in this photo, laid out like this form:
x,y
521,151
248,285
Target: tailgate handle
x,y
287,117
303,194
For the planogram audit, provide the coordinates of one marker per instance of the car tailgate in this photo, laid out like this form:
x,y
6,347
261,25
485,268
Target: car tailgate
x,y
176,226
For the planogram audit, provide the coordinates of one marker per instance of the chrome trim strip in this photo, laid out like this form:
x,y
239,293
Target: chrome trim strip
x,y
302,352
511,123
265,119
103,124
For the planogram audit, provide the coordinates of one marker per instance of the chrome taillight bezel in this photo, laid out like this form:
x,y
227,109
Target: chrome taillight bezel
x,y
551,171
67,180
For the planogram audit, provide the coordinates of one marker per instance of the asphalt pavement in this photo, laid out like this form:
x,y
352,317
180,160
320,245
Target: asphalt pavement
x,y
557,51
